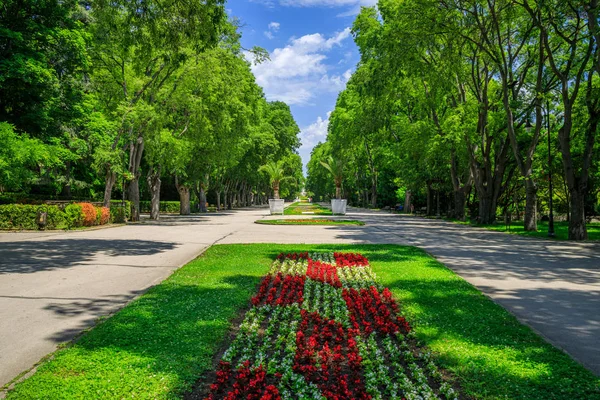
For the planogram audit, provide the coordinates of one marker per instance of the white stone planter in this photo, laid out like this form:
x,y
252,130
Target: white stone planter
x,y
338,206
276,206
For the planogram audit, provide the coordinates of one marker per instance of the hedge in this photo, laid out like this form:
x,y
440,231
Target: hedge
x,y
119,211
23,216
165,206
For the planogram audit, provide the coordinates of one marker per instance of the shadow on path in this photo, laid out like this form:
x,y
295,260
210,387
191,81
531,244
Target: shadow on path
x,y
30,256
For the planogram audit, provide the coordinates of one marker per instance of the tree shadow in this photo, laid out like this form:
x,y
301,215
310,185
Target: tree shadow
x,y
482,253
30,256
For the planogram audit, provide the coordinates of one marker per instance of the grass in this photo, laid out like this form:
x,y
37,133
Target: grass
x,y
309,221
158,346
561,229
300,208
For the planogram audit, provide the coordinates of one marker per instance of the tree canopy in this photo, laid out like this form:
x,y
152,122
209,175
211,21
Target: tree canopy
x,y
103,100
453,105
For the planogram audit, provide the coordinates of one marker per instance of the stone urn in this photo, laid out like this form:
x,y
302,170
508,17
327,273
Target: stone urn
x,y
338,206
276,206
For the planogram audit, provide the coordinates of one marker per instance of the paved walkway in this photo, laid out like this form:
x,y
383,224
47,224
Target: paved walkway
x,y
53,285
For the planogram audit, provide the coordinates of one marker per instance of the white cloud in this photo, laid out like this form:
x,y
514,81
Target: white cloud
x,y
314,133
297,72
273,28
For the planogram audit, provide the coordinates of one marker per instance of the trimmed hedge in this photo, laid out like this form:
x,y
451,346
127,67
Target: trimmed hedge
x,y
119,211
23,216
165,206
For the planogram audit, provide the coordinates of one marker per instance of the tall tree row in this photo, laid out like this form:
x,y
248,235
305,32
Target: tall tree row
x,y
455,100
103,96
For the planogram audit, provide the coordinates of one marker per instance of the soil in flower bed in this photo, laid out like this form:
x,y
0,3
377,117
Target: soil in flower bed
x,y
321,327
311,221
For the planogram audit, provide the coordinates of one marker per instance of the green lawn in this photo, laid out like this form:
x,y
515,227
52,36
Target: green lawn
x,y
309,221
158,346
300,208
561,229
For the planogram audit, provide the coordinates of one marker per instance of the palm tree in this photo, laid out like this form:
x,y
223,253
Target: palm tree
x,y
277,175
336,168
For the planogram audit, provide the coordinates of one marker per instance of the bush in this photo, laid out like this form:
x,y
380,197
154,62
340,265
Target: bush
x,y
118,212
8,198
90,216
73,215
23,216
165,206
104,215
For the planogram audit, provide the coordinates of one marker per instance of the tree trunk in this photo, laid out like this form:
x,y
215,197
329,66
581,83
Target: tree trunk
x,y
530,220
154,182
111,178
437,195
460,200
407,201
202,199
487,209
218,194
577,227
276,192
184,200
429,207
374,192
136,149
133,195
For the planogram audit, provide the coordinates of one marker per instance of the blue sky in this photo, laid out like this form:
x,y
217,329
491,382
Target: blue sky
x,y
312,55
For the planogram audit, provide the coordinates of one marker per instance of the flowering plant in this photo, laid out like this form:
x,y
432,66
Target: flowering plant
x,y
320,327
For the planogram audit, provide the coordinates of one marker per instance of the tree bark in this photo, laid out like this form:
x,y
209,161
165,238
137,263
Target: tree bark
x,y
218,194
338,192
202,199
133,195
577,222
154,182
136,149
530,222
184,200
407,201
111,178
429,190
460,200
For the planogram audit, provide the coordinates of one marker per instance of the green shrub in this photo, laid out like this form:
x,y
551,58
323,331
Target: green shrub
x,y
73,215
23,216
56,218
18,216
165,206
8,198
118,212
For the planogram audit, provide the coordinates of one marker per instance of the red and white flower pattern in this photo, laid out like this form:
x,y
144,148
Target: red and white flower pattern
x,y
321,327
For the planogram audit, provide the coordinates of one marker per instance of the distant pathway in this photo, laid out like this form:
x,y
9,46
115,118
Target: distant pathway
x,y
54,285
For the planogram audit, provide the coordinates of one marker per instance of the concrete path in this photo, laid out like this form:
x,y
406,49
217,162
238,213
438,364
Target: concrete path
x,y
53,285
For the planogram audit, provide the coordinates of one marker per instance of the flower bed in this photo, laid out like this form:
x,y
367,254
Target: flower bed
x,y
304,208
320,327
309,221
